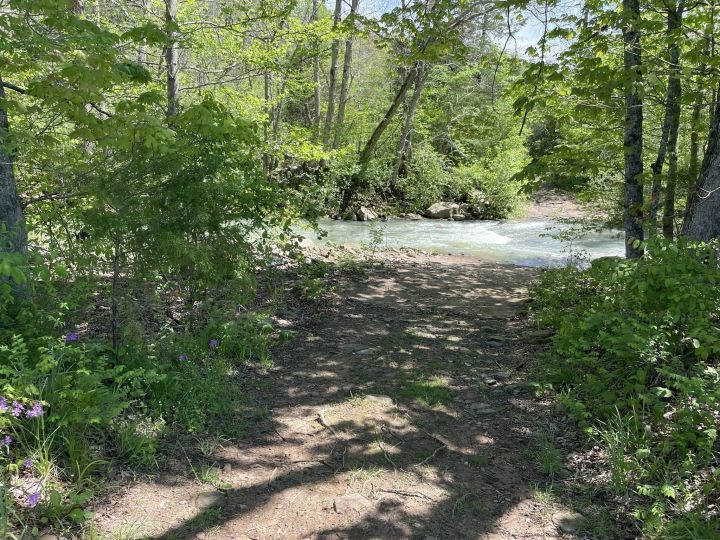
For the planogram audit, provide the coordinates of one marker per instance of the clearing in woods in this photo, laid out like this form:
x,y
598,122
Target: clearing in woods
x,y
397,411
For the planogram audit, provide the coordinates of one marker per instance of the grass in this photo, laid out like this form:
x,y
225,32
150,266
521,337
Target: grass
x,y
208,521
363,474
430,391
479,460
548,458
543,495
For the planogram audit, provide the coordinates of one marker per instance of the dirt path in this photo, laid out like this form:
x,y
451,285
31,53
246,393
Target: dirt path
x,y
398,412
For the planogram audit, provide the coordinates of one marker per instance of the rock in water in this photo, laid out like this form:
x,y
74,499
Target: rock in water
x,y
366,214
442,210
353,502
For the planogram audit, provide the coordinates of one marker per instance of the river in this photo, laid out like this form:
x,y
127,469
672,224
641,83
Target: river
x,y
522,242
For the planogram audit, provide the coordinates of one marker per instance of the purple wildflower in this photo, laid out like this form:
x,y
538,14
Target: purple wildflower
x,y
33,499
37,410
214,344
7,440
3,404
17,409
71,336
28,464
183,357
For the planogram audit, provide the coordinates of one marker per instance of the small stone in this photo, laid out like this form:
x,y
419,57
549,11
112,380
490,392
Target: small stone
x,y
366,351
200,536
482,408
568,522
489,381
227,468
208,499
353,502
49,537
500,377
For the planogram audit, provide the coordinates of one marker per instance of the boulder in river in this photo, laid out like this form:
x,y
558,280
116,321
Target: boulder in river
x,y
442,210
366,214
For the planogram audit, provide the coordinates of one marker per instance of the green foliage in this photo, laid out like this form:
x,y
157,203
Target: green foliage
x,y
490,192
636,358
137,442
431,391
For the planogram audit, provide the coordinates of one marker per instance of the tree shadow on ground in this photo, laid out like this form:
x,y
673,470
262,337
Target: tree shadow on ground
x,y
396,413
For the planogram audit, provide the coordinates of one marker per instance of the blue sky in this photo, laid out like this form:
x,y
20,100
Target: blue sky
x,y
525,35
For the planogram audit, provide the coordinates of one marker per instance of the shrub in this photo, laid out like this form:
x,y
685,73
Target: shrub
x,y
427,179
636,357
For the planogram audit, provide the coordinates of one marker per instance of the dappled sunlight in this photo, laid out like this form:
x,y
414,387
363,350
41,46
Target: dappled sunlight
x,y
396,424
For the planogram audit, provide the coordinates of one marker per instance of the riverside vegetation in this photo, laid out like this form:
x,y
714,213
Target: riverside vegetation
x,y
155,156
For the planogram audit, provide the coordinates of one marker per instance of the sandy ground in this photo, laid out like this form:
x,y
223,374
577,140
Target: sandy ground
x,y
398,411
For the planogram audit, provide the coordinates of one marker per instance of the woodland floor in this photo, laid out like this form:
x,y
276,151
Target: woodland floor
x,y
399,410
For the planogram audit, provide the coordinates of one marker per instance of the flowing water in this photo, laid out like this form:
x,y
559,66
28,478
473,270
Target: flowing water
x,y
521,242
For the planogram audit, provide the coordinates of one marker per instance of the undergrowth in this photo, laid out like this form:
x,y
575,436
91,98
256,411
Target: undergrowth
x,y
635,362
73,409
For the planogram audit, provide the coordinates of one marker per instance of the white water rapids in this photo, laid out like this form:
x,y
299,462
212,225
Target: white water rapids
x,y
520,242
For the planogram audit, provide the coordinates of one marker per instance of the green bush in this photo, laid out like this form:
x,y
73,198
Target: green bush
x,y
489,194
636,360
487,185
427,179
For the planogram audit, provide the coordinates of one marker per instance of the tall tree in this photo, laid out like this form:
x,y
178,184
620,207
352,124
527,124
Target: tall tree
x,y
633,130
332,77
702,221
404,147
671,127
12,221
171,57
316,77
346,76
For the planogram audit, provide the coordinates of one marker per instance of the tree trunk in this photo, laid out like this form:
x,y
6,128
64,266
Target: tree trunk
x,y
142,51
332,83
346,76
171,58
405,142
671,126
366,153
372,142
633,131
702,222
316,79
12,221
694,164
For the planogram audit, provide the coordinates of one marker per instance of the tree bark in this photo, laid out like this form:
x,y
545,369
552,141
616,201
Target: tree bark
x,y
346,77
405,142
316,78
142,51
332,82
694,164
171,58
702,222
671,126
12,221
633,130
372,142
366,153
